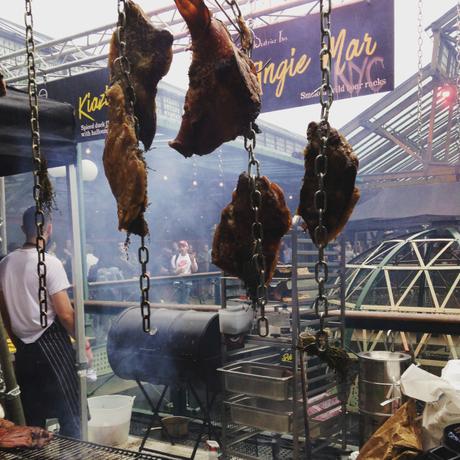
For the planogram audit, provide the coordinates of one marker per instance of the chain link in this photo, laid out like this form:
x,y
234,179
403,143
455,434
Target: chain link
x,y
259,297
457,48
125,67
326,98
419,74
144,284
39,166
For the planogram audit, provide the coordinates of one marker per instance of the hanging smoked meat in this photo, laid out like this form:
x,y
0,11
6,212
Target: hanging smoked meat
x,y
124,165
149,52
2,86
339,183
224,94
232,246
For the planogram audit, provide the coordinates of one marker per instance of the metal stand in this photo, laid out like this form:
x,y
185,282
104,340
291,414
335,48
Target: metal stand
x,y
322,430
206,426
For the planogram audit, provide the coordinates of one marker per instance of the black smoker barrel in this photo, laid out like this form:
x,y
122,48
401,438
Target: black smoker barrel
x,y
182,346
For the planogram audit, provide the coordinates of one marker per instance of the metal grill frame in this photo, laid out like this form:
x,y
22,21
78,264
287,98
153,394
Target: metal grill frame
x,y
64,448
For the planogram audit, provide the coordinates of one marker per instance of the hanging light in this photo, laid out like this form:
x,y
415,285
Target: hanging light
x,y
447,94
88,151
221,184
194,183
89,170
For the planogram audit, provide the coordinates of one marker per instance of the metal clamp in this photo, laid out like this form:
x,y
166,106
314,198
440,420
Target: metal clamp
x,y
390,341
12,394
262,326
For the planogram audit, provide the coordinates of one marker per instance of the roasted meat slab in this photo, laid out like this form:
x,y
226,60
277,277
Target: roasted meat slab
x,y
149,52
13,436
124,165
232,246
339,183
224,94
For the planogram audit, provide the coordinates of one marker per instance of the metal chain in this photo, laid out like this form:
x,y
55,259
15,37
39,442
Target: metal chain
x,y
144,284
245,33
457,47
259,298
419,74
320,200
125,67
38,166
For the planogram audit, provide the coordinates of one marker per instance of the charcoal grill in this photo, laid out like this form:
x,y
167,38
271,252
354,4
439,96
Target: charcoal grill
x,y
183,348
62,448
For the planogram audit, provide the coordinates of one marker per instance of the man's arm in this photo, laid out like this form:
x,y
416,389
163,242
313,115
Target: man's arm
x,y
66,315
5,315
194,265
64,311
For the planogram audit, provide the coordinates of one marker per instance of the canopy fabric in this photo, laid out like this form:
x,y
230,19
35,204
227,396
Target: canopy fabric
x,y
57,133
412,204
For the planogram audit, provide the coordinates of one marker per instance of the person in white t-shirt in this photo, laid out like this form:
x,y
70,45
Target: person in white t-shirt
x,y
183,263
45,359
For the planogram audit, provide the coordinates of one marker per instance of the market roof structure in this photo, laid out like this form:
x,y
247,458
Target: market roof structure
x,y
386,135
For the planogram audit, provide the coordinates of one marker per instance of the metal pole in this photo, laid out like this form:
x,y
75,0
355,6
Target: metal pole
x,y
344,385
13,405
295,335
3,241
78,277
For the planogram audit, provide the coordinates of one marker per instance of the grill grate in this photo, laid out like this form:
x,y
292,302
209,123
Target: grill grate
x,y
62,448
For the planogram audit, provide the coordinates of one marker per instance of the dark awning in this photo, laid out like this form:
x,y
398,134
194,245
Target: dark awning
x,y
408,205
57,133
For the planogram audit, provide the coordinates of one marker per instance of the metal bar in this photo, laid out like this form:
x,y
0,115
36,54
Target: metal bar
x,y
295,335
77,276
3,236
429,149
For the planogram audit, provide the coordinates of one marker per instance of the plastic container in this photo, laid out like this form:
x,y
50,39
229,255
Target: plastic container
x,y
110,419
235,319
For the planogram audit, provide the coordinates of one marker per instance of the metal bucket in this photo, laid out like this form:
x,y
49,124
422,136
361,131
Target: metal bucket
x,y
379,381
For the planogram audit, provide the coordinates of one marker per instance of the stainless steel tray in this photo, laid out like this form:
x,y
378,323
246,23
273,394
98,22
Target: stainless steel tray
x,y
262,413
259,379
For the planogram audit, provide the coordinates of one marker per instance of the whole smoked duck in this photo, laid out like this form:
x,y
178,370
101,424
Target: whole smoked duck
x,y
149,52
224,94
339,183
232,246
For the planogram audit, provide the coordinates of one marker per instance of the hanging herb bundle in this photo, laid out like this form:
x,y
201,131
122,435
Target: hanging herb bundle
x,y
335,357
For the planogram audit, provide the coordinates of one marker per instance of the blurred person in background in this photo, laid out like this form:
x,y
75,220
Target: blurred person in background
x,y
44,359
182,264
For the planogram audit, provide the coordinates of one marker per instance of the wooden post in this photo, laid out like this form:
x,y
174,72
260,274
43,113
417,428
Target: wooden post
x,y
13,403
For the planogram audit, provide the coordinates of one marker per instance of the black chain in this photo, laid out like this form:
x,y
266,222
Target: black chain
x,y
125,67
419,74
246,35
259,298
326,97
144,284
38,165
457,81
